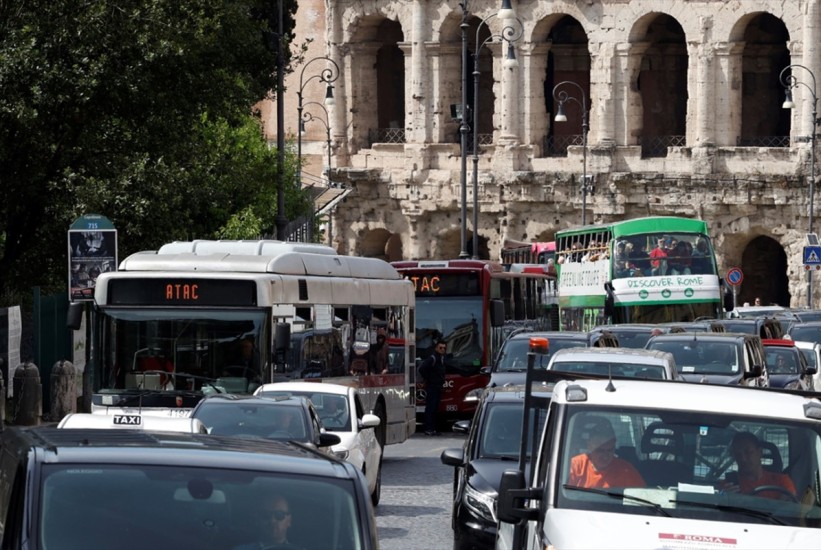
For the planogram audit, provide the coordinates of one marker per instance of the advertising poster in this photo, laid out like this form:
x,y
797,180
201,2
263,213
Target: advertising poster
x,y
92,250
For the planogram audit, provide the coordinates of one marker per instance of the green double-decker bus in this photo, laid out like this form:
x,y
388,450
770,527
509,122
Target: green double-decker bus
x,y
646,270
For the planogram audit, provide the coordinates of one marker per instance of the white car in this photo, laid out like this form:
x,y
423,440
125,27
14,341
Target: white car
x,y
342,413
812,353
132,422
620,362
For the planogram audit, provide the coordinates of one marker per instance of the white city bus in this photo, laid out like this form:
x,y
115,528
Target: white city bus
x,y
226,316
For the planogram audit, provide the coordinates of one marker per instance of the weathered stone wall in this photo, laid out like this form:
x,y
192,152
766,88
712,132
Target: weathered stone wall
x,y
409,193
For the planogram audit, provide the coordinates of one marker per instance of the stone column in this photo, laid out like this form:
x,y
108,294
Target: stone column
x,y
628,107
603,76
702,100
360,80
418,102
727,92
535,120
511,104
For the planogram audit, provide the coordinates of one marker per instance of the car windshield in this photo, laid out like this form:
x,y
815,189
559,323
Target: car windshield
x,y
268,421
501,430
332,408
701,357
782,360
611,368
806,333
161,507
631,338
689,464
513,356
809,355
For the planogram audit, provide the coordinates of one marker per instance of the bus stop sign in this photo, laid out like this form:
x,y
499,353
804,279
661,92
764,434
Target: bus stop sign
x,y
735,276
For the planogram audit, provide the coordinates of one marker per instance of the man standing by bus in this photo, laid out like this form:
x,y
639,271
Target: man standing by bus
x,y
432,372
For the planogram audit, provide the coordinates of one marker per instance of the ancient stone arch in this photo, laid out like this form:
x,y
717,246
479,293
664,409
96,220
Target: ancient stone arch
x,y
764,264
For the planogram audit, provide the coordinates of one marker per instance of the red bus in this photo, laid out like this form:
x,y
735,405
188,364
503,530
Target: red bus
x,y
516,252
472,305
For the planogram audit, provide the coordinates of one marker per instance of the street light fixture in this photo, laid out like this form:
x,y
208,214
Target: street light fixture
x,y
505,12
309,117
561,96
790,81
328,75
510,35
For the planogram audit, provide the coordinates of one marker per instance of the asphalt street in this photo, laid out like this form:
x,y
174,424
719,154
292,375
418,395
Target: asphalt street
x,y
417,489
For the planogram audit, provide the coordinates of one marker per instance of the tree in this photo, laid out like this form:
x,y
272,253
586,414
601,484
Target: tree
x,y
140,110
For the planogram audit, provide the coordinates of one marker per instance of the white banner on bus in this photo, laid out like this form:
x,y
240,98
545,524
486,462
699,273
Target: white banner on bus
x,y
583,278
671,287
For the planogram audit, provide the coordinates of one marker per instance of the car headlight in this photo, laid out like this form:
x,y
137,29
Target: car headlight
x,y
342,454
474,395
482,504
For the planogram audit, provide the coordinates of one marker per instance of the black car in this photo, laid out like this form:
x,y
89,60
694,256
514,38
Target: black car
x,y
808,331
716,357
492,445
511,363
634,335
287,418
132,490
764,327
788,366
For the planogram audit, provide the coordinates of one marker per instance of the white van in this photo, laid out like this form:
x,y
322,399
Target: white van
x,y
652,464
132,421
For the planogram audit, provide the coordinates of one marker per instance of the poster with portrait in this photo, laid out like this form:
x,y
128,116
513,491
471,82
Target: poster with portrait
x,y
92,250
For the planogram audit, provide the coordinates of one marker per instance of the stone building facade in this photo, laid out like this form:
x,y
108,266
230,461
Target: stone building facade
x,y
685,118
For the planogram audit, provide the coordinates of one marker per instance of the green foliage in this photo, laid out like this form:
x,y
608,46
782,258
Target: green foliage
x,y
140,110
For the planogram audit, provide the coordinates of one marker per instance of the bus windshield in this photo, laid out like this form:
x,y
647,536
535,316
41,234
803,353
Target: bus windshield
x,y
457,321
162,349
660,254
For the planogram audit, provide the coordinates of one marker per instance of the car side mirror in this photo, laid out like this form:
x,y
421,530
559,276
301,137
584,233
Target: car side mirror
x,y
328,439
812,369
755,371
369,421
453,457
513,496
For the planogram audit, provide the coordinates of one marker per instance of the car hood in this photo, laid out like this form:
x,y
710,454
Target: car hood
x,y
781,380
506,378
485,474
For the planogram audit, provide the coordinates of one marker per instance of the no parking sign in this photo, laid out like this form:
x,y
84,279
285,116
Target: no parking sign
x,y
734,276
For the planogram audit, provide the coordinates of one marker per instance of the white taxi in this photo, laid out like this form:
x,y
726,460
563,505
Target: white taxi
x,y
131,421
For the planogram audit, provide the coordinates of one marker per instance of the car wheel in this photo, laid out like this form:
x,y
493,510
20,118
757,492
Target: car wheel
x,y
377,490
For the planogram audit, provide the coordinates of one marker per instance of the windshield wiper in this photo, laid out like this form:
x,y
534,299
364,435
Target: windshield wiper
x,y
656,506
729,508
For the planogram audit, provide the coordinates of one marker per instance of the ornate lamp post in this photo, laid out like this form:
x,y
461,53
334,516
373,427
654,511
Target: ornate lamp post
x,y
505,12
328,75
509,34
308,117
561,96
790,81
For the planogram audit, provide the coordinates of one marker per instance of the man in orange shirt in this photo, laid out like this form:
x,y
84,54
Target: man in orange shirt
x,y
746,450
599,467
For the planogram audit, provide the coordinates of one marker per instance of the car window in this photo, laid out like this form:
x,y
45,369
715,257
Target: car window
x,y
782,360
244,419
606,368
806,334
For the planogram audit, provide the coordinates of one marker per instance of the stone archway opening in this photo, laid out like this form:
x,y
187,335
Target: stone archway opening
x,y
379,243
764,263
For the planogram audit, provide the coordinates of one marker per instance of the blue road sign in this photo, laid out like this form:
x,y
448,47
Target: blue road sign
x,y
812,255
735,276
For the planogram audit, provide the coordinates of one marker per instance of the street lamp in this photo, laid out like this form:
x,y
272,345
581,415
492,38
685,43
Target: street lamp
x,y
308,117
789,81
561,96
510,35
328,75
505,12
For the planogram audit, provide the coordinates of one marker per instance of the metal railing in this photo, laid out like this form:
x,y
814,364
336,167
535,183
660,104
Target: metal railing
x,y
763,141
386,135
656,146
556,146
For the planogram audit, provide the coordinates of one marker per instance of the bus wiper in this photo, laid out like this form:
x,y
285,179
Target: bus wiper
x,y
730,508
656,506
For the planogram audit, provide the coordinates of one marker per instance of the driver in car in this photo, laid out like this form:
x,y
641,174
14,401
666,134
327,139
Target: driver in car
x,y
752,478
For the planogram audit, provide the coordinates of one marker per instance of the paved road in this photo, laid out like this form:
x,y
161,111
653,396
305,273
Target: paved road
x,y
414,512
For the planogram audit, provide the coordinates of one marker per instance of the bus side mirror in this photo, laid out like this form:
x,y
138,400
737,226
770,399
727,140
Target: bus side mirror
x,y
497,313
513,497
609,301
74,315
282,342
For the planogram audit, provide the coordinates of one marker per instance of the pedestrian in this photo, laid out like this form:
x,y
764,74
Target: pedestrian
x,y
432,373
757,301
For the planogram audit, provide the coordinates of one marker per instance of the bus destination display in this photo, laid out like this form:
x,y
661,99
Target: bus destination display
x,y
445,284
182,292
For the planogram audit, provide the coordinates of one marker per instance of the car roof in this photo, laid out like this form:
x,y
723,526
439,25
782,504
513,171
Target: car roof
x,y
803,344
513,393
283,400
711,398
806,324
556,335
91,446
682,336
315,387
614,355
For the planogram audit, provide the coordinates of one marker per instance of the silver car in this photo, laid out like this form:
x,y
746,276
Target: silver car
x,y
616,362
